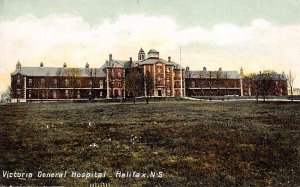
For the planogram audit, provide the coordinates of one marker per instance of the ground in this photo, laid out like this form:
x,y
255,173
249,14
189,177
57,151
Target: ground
x,y
194,143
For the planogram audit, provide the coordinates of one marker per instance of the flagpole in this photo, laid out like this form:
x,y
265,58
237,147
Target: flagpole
x,y
181,72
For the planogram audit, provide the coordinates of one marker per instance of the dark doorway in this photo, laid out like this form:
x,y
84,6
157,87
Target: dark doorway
x,y
159,92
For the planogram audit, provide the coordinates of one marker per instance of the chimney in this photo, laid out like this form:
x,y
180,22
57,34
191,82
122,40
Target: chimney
x,y
87,65
110,57
65,65
204,68
187,68
169,59
130,59
41,65
220,69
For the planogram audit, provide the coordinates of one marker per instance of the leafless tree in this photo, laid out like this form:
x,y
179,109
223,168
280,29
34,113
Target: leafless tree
x,y
73,75
291,78
92,72
135,83
6,95
226,77
149,84
59,75
218,80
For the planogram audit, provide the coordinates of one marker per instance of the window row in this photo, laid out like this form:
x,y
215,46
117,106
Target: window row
x,y
67,83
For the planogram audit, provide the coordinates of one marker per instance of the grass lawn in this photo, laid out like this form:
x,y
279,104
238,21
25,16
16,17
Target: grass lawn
x,y
194,143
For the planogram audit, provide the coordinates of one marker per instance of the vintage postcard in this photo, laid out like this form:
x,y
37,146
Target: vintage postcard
x,y
149,93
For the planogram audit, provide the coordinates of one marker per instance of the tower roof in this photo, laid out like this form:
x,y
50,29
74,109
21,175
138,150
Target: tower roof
x,y
153,51
141,50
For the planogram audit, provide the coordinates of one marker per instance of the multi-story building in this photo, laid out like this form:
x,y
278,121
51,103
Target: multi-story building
x,y
53,83
109,81
265,83
212,83
166,74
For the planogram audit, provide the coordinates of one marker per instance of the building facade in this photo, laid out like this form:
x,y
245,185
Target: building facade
x,y
109,81
212,83
54,84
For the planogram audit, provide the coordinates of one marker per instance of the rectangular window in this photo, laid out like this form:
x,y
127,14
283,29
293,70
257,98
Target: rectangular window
x,y
29,93
78,94
42,82
18,80
66,82
30,82
101,84
55,82
54,94
193,84
79,83
67,93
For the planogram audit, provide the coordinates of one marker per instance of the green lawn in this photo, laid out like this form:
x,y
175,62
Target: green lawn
x,y
194,143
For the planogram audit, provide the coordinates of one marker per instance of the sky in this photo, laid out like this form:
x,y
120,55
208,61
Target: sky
x,y
253,34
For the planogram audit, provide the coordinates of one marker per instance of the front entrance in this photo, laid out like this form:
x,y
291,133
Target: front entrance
x,y
159,93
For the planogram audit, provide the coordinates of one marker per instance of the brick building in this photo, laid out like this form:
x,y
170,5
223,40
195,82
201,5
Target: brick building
x,y
212,83
108,81
54,83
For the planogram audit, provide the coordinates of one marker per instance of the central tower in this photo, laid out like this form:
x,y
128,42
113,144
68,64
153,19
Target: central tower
x,y
141,55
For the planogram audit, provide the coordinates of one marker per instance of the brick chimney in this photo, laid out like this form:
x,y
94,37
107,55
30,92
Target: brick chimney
x,y
169,59
110,57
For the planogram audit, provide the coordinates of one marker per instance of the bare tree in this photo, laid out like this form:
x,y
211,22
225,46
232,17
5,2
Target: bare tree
x,y
263,83
291,78
135,83
218,77
6,95
73,74
149,85
92,72
58,84
226,77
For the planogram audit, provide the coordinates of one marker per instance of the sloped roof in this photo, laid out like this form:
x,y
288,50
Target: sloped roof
x,y
155,60
54,71
273,76
213,74
118,64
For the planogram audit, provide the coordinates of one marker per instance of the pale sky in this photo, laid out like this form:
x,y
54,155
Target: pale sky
x,y
253,34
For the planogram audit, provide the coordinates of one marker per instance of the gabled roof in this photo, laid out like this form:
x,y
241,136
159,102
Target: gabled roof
x,y
118,64
54,71
213,74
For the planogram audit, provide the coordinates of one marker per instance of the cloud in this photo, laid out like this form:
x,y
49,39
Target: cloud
x,y
65,38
